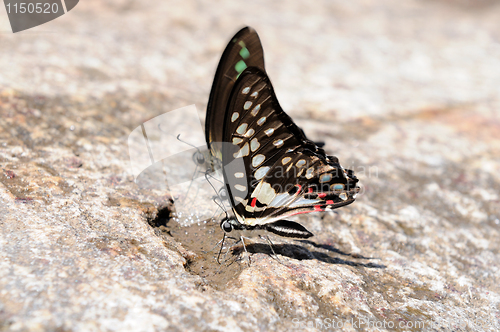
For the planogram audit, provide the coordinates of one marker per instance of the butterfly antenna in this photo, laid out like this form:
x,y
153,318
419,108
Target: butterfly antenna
x,y
197,160
221,206
198,157
216,210
215,190
213,177
179,138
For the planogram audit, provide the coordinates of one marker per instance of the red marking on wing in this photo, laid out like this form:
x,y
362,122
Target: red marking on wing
x,y
301,212
300,188
330,202
321,195
317,208
310,190
254,201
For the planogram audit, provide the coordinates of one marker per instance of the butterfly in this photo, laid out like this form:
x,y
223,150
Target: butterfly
x,y
271,170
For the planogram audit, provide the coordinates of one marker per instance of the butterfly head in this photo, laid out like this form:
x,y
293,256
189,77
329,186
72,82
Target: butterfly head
x,y
199,158
223,195
229,224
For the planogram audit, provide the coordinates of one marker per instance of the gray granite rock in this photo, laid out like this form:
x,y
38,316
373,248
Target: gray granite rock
x,y
404,93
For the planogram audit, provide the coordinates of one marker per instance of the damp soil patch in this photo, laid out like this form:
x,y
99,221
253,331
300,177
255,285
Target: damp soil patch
x,y
199,244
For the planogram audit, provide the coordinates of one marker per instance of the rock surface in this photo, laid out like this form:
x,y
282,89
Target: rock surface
x,y
404,93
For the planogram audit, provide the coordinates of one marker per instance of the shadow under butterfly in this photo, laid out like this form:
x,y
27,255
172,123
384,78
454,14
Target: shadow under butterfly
x,y
271,170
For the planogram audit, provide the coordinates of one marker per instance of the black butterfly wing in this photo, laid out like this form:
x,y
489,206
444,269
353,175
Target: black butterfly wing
x,y
271,170
244,50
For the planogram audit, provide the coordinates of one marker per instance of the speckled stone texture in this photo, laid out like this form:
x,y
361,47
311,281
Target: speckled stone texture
x,y
406,93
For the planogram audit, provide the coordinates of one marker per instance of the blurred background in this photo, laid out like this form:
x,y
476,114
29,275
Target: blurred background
x,y
347,59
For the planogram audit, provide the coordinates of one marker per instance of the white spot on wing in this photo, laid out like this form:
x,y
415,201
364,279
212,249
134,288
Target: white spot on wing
x,y
247,105
300,163
285,160
278,143
240,187
264,193
244,151
269,131
337,187
255,94
242,128
261,172
235,116
249,133
325,177
254,144
261,121
239,175
310,173
237,140
245,90
255,110
258,159
343,196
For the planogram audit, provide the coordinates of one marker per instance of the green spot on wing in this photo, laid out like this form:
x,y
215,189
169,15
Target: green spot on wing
x,y
244,53
240,66
242,44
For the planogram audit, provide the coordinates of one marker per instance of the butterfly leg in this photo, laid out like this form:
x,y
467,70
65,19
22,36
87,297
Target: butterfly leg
x,y
221,246
245,248
241,239
206,252
229,247
272,248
